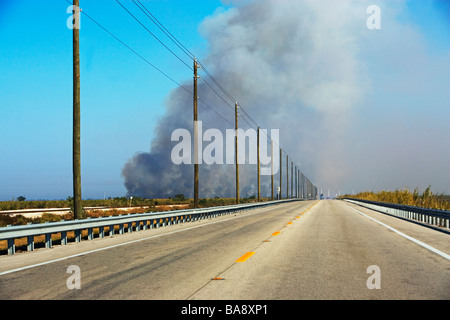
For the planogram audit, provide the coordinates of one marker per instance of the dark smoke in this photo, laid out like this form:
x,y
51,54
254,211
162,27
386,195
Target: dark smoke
x,y
293,67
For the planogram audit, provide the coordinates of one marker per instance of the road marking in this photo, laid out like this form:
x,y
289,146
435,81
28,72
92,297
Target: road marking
x,y
262,210
420,243
290,222
276,233
245,257
310,208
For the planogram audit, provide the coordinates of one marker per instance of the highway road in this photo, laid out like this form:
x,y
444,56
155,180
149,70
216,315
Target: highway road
x,y
306,250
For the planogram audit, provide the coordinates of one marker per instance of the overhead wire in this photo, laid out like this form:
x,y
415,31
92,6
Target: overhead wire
x,y
178,43
183,48
244,115
133,51
153,35
164,29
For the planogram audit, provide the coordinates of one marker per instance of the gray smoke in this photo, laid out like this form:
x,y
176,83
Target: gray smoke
x,y
293,66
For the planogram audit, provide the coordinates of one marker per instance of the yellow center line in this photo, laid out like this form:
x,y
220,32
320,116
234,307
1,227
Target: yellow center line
x,y
310,208
245,257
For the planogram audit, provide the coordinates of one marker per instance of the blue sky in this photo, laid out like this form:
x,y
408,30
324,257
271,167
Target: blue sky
x,y
122,97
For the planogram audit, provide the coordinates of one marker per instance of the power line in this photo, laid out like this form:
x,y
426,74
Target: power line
x,y
154,36
164,30
134,51
183,48
172,38
244,115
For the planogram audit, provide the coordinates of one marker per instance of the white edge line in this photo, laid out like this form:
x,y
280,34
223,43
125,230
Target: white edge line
x,y
123,244
420,243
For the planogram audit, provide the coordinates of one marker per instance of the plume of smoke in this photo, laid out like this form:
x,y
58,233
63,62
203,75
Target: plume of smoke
x,y
293,65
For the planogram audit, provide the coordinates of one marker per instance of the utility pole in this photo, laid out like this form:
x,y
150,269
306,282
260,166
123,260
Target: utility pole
x,y
195,134
287,175
77,204
292,179
236,151
301,185
296,182
259,171
281,173
271,162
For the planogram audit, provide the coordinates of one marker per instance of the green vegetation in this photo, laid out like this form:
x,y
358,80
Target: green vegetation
x,y
425,200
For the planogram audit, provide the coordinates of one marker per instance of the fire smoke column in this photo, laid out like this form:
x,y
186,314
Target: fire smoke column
x,y
298,59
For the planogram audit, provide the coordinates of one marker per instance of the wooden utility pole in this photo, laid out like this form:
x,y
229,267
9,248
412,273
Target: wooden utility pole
x,y
196,141
295,183
236,151
292,179
302,189
271,163
77,204
281,173
287,176
259,171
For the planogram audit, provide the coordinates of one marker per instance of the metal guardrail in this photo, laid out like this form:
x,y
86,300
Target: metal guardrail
x,y
430,217
134,222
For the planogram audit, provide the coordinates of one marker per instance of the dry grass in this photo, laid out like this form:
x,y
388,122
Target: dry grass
x,y
425,200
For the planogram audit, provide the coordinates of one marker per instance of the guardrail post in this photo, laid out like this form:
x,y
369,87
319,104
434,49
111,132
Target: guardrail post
x,y
11,247
63,238
30,243
77,235
111,230
9,234
48,240
90,234
431,217
101,232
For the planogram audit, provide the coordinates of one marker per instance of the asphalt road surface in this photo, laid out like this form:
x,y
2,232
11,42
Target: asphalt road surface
x,y
305,250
